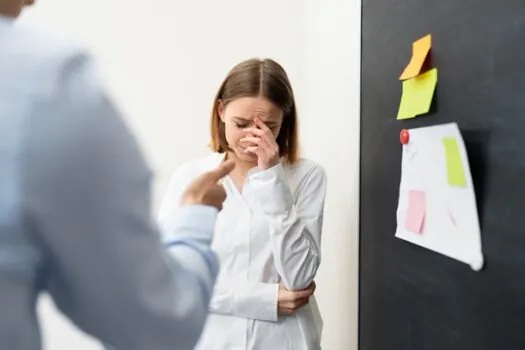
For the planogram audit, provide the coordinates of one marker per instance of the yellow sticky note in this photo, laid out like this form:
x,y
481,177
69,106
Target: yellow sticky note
x,y
420,50
455,173
417,95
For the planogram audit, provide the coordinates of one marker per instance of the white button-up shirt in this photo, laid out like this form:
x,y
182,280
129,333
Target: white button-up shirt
x,y
269,233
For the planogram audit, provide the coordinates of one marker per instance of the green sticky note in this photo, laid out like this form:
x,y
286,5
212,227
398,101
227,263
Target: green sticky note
x,y
417,95
456,175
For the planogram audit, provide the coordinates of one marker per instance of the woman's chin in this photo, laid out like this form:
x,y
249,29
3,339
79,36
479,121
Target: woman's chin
x,y
247,157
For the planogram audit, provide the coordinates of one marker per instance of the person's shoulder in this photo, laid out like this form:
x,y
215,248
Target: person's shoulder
x,y
305,167
191,169
44,55
44,42
305,172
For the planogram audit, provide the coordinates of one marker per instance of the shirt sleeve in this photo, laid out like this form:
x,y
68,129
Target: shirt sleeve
x,y
296,225
240,297
88,204
246,299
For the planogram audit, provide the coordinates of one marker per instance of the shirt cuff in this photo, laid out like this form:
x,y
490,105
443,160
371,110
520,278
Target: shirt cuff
x,y
257,301
271,189
193,221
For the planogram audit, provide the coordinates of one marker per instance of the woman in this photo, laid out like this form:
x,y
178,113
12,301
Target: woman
x,y
268,234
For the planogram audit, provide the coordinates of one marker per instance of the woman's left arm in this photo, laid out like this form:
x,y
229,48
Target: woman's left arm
x,y
295,229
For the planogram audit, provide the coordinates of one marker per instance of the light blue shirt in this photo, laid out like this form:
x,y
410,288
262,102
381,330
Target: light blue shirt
x,y
75,211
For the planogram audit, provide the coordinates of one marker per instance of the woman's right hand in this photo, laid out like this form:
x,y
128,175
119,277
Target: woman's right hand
x,y
290,301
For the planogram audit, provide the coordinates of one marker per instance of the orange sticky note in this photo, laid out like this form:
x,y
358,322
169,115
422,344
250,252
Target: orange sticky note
x,y
417,207
420,50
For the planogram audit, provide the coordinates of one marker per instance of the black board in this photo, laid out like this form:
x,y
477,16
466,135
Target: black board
x,y
411,298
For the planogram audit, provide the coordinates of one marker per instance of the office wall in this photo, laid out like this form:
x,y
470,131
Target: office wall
x,y
163,61
330,124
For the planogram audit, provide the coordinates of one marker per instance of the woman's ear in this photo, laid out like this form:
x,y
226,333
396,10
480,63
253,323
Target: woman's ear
x,y
220,109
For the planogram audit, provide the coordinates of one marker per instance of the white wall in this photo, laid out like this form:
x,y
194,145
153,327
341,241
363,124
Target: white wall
x,y
330,123
164,59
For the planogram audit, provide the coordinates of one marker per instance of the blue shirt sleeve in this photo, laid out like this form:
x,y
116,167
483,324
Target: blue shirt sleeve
x,y
87,199
190,240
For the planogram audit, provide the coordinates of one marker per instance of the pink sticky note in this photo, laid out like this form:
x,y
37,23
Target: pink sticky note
x,y
417,206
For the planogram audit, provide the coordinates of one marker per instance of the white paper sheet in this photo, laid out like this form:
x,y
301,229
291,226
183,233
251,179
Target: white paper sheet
x,y
451,225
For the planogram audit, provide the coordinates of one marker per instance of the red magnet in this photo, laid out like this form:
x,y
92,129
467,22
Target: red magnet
x,y
404,136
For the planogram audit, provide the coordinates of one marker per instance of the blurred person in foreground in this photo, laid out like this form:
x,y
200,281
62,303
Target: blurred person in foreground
x,y
75,205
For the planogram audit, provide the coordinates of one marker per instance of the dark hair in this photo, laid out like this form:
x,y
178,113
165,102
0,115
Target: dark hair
x,y
254,78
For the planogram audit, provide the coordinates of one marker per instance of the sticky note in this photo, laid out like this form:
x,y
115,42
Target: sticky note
x,y
417,207
417,95
420,50
455,173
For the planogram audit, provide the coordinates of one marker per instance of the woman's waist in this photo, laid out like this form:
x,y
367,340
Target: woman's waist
x,y
249,274
307,316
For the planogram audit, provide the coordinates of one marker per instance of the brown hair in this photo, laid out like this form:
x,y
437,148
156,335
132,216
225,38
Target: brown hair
x,y
253,78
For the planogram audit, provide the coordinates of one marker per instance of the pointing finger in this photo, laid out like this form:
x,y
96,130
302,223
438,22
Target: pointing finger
x,y
221,171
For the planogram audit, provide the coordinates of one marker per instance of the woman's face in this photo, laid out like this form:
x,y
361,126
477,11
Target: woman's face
x,y
239,115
